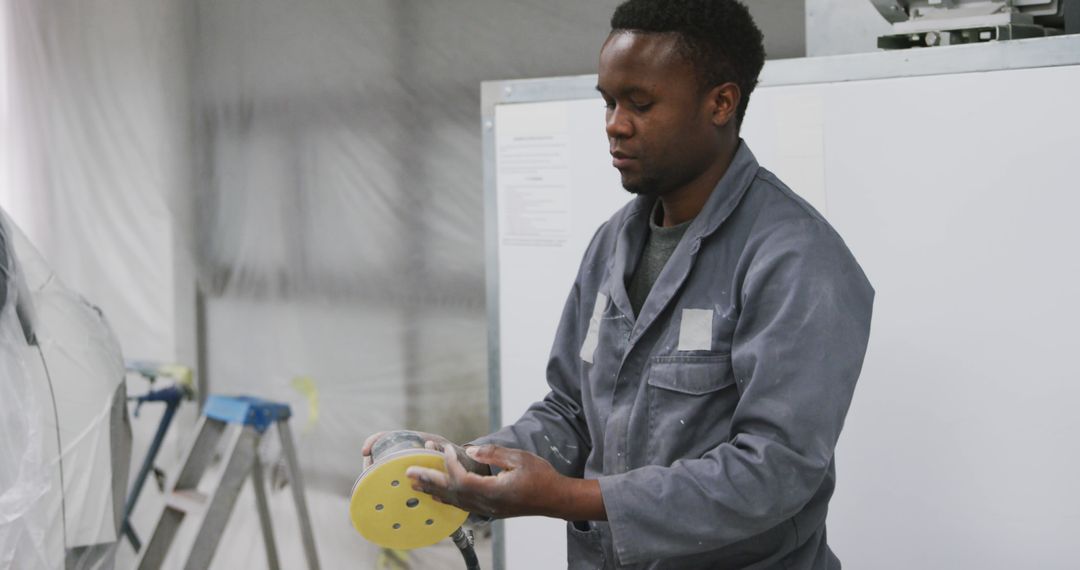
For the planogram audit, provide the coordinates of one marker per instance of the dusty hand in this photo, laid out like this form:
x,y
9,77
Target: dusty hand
x,y
433,442
527,485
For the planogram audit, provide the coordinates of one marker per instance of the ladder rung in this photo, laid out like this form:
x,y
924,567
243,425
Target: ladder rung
x,y
253,416
187,500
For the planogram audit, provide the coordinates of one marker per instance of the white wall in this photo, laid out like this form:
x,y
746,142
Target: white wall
x,y
837,27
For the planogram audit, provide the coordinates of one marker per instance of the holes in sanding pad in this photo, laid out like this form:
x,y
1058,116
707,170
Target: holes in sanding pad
x,y
395,483
397,526
429,522
378,507
411,503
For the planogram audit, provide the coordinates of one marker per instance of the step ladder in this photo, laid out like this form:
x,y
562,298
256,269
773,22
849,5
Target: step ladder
x,y
249,419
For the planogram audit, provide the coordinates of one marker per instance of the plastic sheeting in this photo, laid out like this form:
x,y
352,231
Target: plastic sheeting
x,y
339,205
315,167
64,438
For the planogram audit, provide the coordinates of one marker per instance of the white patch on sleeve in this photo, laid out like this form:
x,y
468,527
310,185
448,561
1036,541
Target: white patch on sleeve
x,y
695,331
592,338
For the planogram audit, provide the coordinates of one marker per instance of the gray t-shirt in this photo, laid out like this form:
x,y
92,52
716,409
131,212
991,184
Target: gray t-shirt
x,y
658,248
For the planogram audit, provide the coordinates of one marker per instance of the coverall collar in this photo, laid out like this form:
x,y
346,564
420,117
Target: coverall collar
x,y
634,231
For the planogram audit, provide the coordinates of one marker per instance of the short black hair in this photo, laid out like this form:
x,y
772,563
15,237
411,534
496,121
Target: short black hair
x,y
719,37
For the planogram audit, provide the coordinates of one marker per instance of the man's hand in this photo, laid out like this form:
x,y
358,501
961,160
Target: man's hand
x,y
527,485
433,442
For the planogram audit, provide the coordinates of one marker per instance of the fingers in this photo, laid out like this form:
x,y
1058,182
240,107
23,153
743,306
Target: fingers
x,y
454,467
433,482
494,455
454,486
466,477
424,479
370,442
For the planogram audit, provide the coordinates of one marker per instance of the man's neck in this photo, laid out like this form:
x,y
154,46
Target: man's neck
x,y
685,203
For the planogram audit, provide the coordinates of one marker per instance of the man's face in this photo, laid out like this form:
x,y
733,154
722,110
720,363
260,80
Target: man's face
x,y
659,124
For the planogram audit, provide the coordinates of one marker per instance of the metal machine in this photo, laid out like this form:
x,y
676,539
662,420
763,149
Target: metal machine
x,y
928,23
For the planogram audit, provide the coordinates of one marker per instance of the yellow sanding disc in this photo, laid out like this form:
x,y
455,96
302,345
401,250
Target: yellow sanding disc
x,y
385,509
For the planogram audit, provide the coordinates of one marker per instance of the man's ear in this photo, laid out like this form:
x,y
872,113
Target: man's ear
x,y
724,103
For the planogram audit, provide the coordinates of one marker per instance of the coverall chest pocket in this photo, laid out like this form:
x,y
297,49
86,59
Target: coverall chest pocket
x,y
691,401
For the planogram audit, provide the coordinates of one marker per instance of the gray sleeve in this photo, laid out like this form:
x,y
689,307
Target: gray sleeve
x,y
797,352
554,428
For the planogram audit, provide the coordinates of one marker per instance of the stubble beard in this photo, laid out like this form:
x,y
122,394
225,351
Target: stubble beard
x,y
643,186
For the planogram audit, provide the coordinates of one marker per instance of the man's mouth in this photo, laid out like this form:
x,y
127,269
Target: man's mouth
x,y
621,160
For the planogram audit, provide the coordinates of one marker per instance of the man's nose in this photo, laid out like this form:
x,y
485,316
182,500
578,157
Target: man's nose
x,y
618,124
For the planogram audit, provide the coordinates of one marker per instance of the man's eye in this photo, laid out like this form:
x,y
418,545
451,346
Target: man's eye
x,y
609,105
642,107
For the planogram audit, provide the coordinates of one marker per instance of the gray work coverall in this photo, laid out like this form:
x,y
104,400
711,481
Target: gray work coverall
x,y
711,418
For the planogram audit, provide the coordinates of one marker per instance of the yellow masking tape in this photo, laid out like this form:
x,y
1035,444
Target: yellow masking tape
x,y
309,389
183,375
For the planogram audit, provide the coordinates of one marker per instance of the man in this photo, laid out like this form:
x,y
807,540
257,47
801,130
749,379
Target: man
x,y
711,342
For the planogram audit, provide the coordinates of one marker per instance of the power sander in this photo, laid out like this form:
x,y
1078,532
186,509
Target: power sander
x,y
387,511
